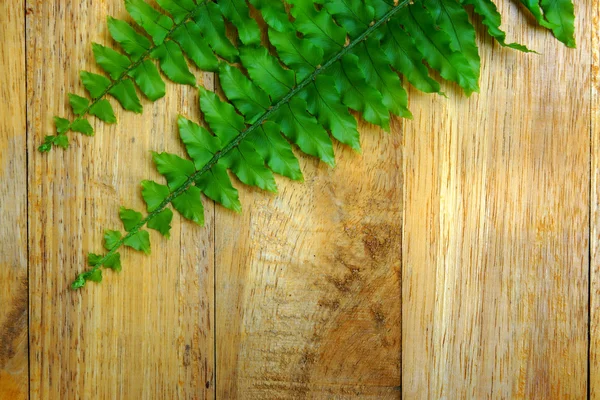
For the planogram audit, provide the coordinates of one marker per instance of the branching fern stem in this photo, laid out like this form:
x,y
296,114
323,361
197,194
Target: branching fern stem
x,y
242,135
145,55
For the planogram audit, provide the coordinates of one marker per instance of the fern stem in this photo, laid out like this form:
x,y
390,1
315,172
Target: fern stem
x,y
145,55
238,139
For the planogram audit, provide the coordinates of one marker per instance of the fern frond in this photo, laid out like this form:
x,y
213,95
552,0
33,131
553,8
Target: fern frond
x,y
195,29
343,55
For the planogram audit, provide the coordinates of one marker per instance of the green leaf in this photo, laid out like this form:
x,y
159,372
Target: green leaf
x,y
561,15
534,7
46,146
267,73
304,130
435,46
130,218
250,167
357,93
156,24
161,222
378,74
353,15
61,141
82,126
148,79
124,92
79,282
454,20
94,275
275,150
154,194
211,24
62,124
492,19
190,39
248,98
113,262
133,43
94,259
111,239
189,205
325,102
175,169
318,27
273,12
199,143
103,110
236,11
220,116
299,54
95,84
173,63
139,241
216,185
78,104
405,57
179,9
110,60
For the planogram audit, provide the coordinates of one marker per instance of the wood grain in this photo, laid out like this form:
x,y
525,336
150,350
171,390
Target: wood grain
x,y
496,245
450,259
308,281
595,208
144,333
14,369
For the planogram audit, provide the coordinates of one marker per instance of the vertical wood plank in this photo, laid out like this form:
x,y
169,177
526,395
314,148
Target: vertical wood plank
x,y
308,281
495,244
594,355
148,331
14,371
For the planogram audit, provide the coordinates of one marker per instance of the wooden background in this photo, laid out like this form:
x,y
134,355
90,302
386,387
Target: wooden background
x,y
457,257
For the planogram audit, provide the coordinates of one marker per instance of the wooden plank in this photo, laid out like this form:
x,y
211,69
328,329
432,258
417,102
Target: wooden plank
x,y
308,281
148,331
595,209
495,236
14,370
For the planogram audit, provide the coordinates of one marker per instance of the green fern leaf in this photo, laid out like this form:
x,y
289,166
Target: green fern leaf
x,y
274,14
236,11
248,98
199,143
161,222
249,167
211,24
154,194
113,261
300,55
112,239
110,60
78,104
133,43
190,205
189,37
561,16
216,185
82,126
492,19
275,150
175,169
130,218
179,9
95,84
124,92
103,110
139,241
220,116
62,124
268,74
172,63
353,15
148,79
156,24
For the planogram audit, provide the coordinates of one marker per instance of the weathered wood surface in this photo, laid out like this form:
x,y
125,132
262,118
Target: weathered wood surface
x,y
13,204
452,258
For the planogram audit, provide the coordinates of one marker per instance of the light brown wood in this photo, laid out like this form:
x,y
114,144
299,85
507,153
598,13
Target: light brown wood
x,y
595,208
148,331
450,259
308,281
496,239
14,368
